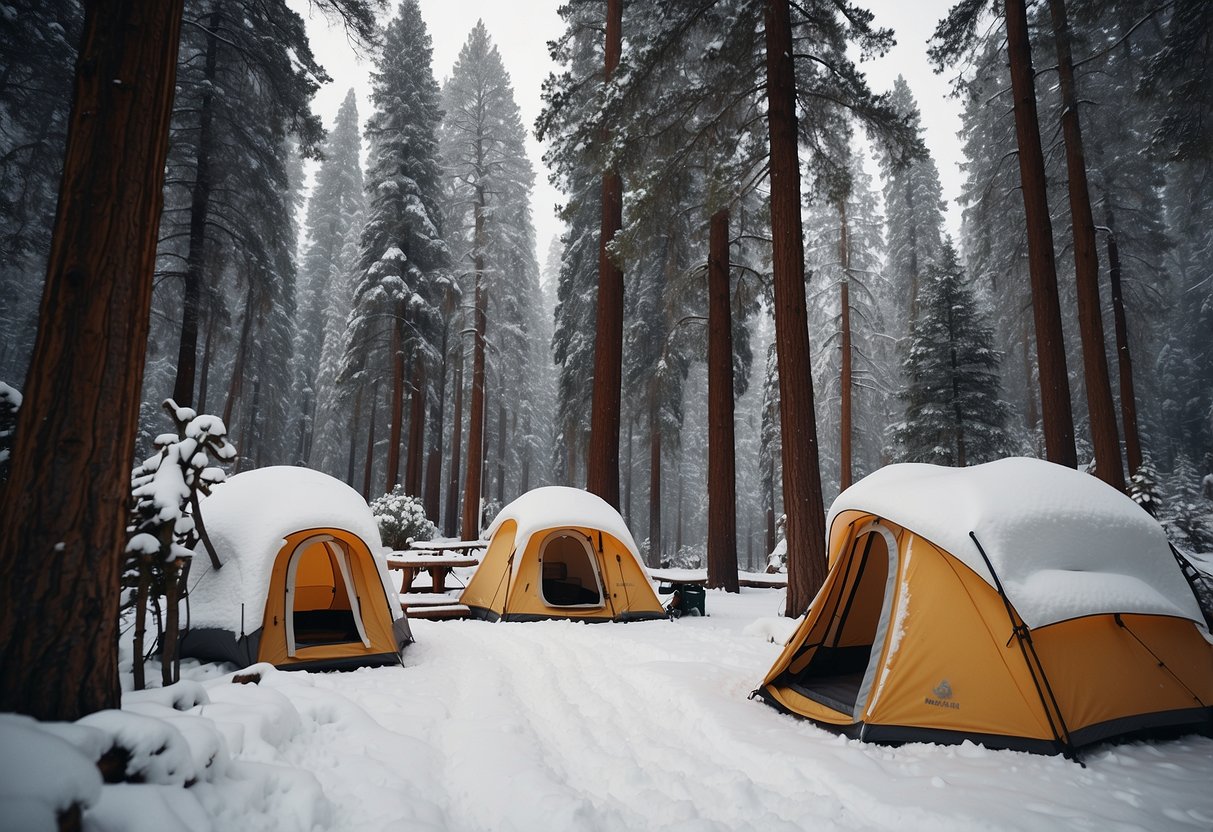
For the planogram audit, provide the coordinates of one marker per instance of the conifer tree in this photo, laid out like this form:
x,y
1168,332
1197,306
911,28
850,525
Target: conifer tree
x,y
954,415
39,39
914,205
493,244
230,187
574,173
1186,514
848,298
402,265
335,201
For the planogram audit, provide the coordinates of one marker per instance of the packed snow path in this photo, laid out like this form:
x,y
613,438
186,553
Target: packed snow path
x,y
556,726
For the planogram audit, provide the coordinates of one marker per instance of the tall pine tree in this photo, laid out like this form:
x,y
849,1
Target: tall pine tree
x,y
402,266
954,414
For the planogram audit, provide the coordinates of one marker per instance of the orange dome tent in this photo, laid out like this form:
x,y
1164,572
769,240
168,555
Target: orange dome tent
x,y
1018,604
303,582
559,552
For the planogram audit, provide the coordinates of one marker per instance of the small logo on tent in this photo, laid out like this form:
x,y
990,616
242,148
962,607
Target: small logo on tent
x,y
942,696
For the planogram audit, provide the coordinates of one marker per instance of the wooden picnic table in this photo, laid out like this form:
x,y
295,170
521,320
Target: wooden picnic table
x,y
437,563
444,546
699,577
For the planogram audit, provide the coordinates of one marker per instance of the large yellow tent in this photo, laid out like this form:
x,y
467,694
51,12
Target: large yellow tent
x,y
559,552
1018,604
303,583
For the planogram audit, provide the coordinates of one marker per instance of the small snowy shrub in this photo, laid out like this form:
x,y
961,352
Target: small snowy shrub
x,y
491,509
10,403
690,556
166,525
1143,488
1187,515
401,517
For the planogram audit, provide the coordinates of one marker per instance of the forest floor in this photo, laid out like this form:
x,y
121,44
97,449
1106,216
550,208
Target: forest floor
x,y
646,725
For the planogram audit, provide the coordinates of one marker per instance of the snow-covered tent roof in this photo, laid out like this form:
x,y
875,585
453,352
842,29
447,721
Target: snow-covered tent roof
x,y
556,505
248,519
1064,543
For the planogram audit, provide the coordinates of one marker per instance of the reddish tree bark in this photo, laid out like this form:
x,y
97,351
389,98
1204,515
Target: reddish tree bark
x,y
602,467
433,471
655,547
451,528
1056,414
722,463
355,423
412,468
1124,360
235,385
369,460
1101,409
501,430
63,512
200,198
396,426
845,420
802,497
471,487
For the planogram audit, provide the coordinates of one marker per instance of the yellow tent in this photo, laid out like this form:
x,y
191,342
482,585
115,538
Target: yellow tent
x,y
1017,604
303,582
559,552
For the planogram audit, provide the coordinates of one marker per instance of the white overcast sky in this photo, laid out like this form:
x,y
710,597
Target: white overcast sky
x,y
522,28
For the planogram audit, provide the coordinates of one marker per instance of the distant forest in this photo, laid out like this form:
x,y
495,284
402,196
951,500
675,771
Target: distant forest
x,y
395,324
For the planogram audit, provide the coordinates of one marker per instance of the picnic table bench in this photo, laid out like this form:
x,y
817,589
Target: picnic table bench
x,y
433,605
438,563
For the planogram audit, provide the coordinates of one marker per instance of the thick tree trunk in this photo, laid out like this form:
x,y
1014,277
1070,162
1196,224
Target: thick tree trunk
x,y
205,373
627,480
1057,417
369,460
412,469
251,435
602,470
722,463
235,385
200,198
1100,406
451,527
396,397
655,549
845,386
471,487
62,517
678,513
433,471
525,479
954,361
802,497
771,541
1031,412
354,425
1128,396
501,425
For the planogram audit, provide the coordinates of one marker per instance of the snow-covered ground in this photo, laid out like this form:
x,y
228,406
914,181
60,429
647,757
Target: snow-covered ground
x,y
646,725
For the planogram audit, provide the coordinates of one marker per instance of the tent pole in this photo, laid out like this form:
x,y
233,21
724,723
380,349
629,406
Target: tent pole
x,y
1023,634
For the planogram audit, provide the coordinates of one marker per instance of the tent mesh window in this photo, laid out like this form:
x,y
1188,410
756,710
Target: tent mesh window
x,y
570,578
835,672
322,607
